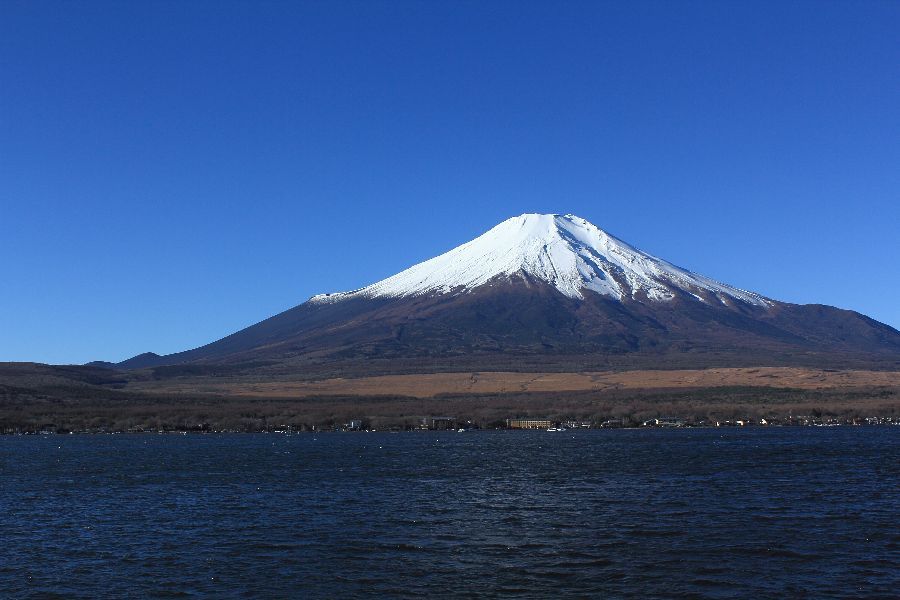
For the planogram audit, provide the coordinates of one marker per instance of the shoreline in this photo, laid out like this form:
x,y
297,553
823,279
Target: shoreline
x,y
885,423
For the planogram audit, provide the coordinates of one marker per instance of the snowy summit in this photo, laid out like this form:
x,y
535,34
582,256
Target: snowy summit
x,y
566,252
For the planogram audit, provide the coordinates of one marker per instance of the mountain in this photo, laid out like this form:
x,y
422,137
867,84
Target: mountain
x,y
548,291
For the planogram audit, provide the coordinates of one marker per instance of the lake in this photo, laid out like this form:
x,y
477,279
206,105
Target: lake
x,y
715,513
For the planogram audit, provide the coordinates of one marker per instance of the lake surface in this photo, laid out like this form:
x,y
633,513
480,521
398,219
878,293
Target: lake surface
x,y
716,513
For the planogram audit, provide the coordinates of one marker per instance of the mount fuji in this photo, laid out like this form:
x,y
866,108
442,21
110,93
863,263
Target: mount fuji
x,y
548,291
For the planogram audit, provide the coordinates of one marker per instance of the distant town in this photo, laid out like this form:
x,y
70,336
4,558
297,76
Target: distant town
x,y
450,423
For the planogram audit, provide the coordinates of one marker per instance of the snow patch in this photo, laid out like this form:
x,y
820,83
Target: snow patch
x,y
565,251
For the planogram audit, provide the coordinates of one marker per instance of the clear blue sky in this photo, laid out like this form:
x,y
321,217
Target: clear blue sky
x,y
171,172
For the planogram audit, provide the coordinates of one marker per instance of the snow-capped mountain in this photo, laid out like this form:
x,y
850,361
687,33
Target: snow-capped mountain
x,y
542,292
564,251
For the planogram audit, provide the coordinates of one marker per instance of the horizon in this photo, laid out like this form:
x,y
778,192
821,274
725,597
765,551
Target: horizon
x,y
172,174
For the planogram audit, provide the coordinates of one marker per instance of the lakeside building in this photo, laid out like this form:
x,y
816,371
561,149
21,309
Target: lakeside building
x,y
664,422
528,423
438,423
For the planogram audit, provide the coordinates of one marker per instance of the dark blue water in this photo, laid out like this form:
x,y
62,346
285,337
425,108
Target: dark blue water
x,y
797,512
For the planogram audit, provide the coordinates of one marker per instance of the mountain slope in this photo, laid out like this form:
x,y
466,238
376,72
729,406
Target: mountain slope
x,y
547,289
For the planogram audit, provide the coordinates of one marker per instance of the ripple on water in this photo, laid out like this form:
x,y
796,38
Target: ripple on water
x,y
749,513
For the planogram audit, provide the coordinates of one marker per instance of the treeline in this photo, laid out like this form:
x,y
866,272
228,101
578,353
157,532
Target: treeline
x,y
91,409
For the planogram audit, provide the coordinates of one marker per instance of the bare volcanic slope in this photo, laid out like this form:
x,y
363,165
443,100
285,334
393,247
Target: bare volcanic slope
x,y
542,293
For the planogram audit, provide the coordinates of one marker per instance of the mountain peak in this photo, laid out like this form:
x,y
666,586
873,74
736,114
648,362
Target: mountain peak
x,y
564,251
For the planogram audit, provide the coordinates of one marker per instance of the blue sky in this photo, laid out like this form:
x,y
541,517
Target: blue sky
x,y
171,172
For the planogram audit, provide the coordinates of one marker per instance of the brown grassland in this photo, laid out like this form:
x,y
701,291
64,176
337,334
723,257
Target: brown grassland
x,y
435,384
